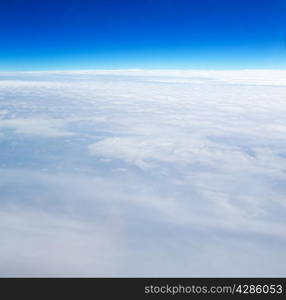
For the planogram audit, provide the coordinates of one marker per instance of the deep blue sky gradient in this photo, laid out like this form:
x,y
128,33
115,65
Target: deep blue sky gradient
x,y
117,34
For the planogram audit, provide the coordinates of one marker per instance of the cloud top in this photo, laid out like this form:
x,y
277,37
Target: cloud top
x,y
143,173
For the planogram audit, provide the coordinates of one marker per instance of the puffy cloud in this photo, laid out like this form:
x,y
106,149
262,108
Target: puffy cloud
x,y
153,173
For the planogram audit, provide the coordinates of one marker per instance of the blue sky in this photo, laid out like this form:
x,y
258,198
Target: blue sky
x,y
113,34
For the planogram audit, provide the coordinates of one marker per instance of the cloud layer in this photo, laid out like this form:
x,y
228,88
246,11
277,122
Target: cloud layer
x,y
143,173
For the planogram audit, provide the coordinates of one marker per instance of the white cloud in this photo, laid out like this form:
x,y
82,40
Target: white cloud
x,y
168,167
36,127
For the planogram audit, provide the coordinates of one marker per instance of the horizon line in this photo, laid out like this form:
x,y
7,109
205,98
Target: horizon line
x,y
136,70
